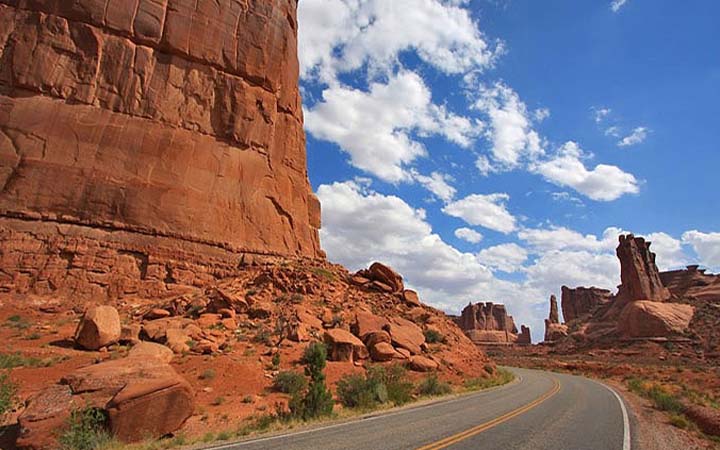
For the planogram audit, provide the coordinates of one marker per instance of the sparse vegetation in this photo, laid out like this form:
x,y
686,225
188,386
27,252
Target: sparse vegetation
x,y
8,391
434,337
324,273
378,386
10,361
17,322
498,377
275,361
680,421
661,398
86,430
218,401
208,374
433,387
318,400
289,382
296,298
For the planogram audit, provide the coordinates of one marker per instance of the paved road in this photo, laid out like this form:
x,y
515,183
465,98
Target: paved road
x,y
540,411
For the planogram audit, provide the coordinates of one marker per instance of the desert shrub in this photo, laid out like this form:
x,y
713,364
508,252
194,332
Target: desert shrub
x,y
297,298
399,387
324,273
289,382
358,391
264,336
207,374
275,361
659,396
10,361
432,386
434,337
218,401
86,430
498,378
680,421
8,390
318,400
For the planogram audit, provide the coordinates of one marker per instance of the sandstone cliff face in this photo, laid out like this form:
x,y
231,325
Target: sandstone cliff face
x,y
160,136
554,330
490,323
582,301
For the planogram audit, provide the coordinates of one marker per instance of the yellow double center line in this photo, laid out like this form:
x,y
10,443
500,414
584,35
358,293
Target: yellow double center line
x,y
451,440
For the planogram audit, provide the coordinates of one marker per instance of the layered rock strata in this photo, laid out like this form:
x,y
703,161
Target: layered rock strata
x,y
146,143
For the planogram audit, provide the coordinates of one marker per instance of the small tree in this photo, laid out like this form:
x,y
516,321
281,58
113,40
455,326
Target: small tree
x,y
318,400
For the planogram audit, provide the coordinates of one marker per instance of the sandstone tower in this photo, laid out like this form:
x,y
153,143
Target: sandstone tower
x,y
148,143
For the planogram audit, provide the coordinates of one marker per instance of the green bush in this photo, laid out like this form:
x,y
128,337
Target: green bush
x,y
661,398
275,361
86,430
357,391
399,388
432,386
289,382
8,390
434,337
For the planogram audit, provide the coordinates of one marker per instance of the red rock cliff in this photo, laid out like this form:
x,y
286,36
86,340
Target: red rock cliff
x,y
144,138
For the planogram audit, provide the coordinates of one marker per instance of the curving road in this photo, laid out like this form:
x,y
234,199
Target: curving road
x,y
539,411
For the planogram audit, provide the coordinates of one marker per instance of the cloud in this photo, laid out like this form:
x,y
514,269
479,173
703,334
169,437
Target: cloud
x,y
600,114
541,114
603,183
669,251
558,268
488,211
437,183
505,257
637,136
617,4
566,197
613,131
469,235
339,36
510,127
378,128
706,246
561,238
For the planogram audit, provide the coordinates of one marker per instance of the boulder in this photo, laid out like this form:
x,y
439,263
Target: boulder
x,y
261,310
157,313
151,350
99,327
344,346
143,398
403,353
367,323
422,364
177,340
411,297
644,318
130,334
382,351
375,337
407,335
383,277
705,417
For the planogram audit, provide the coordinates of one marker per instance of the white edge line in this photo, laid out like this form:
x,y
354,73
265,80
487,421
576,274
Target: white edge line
x,y
626,420
518,379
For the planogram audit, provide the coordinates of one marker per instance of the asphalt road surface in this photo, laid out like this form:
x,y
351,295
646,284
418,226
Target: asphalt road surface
x,y
539,411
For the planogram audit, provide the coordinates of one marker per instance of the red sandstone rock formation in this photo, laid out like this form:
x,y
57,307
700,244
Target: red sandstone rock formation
x,y
146,143
524,338
488,323
581,302
638,272
554,330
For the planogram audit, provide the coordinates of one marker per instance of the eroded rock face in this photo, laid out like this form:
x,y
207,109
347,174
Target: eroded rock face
x,y
582,302
142,397
488,323
643,319
167,128
553,329
638,272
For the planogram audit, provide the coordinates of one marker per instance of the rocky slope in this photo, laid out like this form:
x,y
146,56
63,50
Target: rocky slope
x,y
145,139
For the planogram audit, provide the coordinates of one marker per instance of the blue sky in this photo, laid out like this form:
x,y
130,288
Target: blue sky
x,y
493,150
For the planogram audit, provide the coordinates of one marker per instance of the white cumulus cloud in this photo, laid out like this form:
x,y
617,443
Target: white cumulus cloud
x,y
377,128
468,235
617,4
706,246
505,257
602,183
488,211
